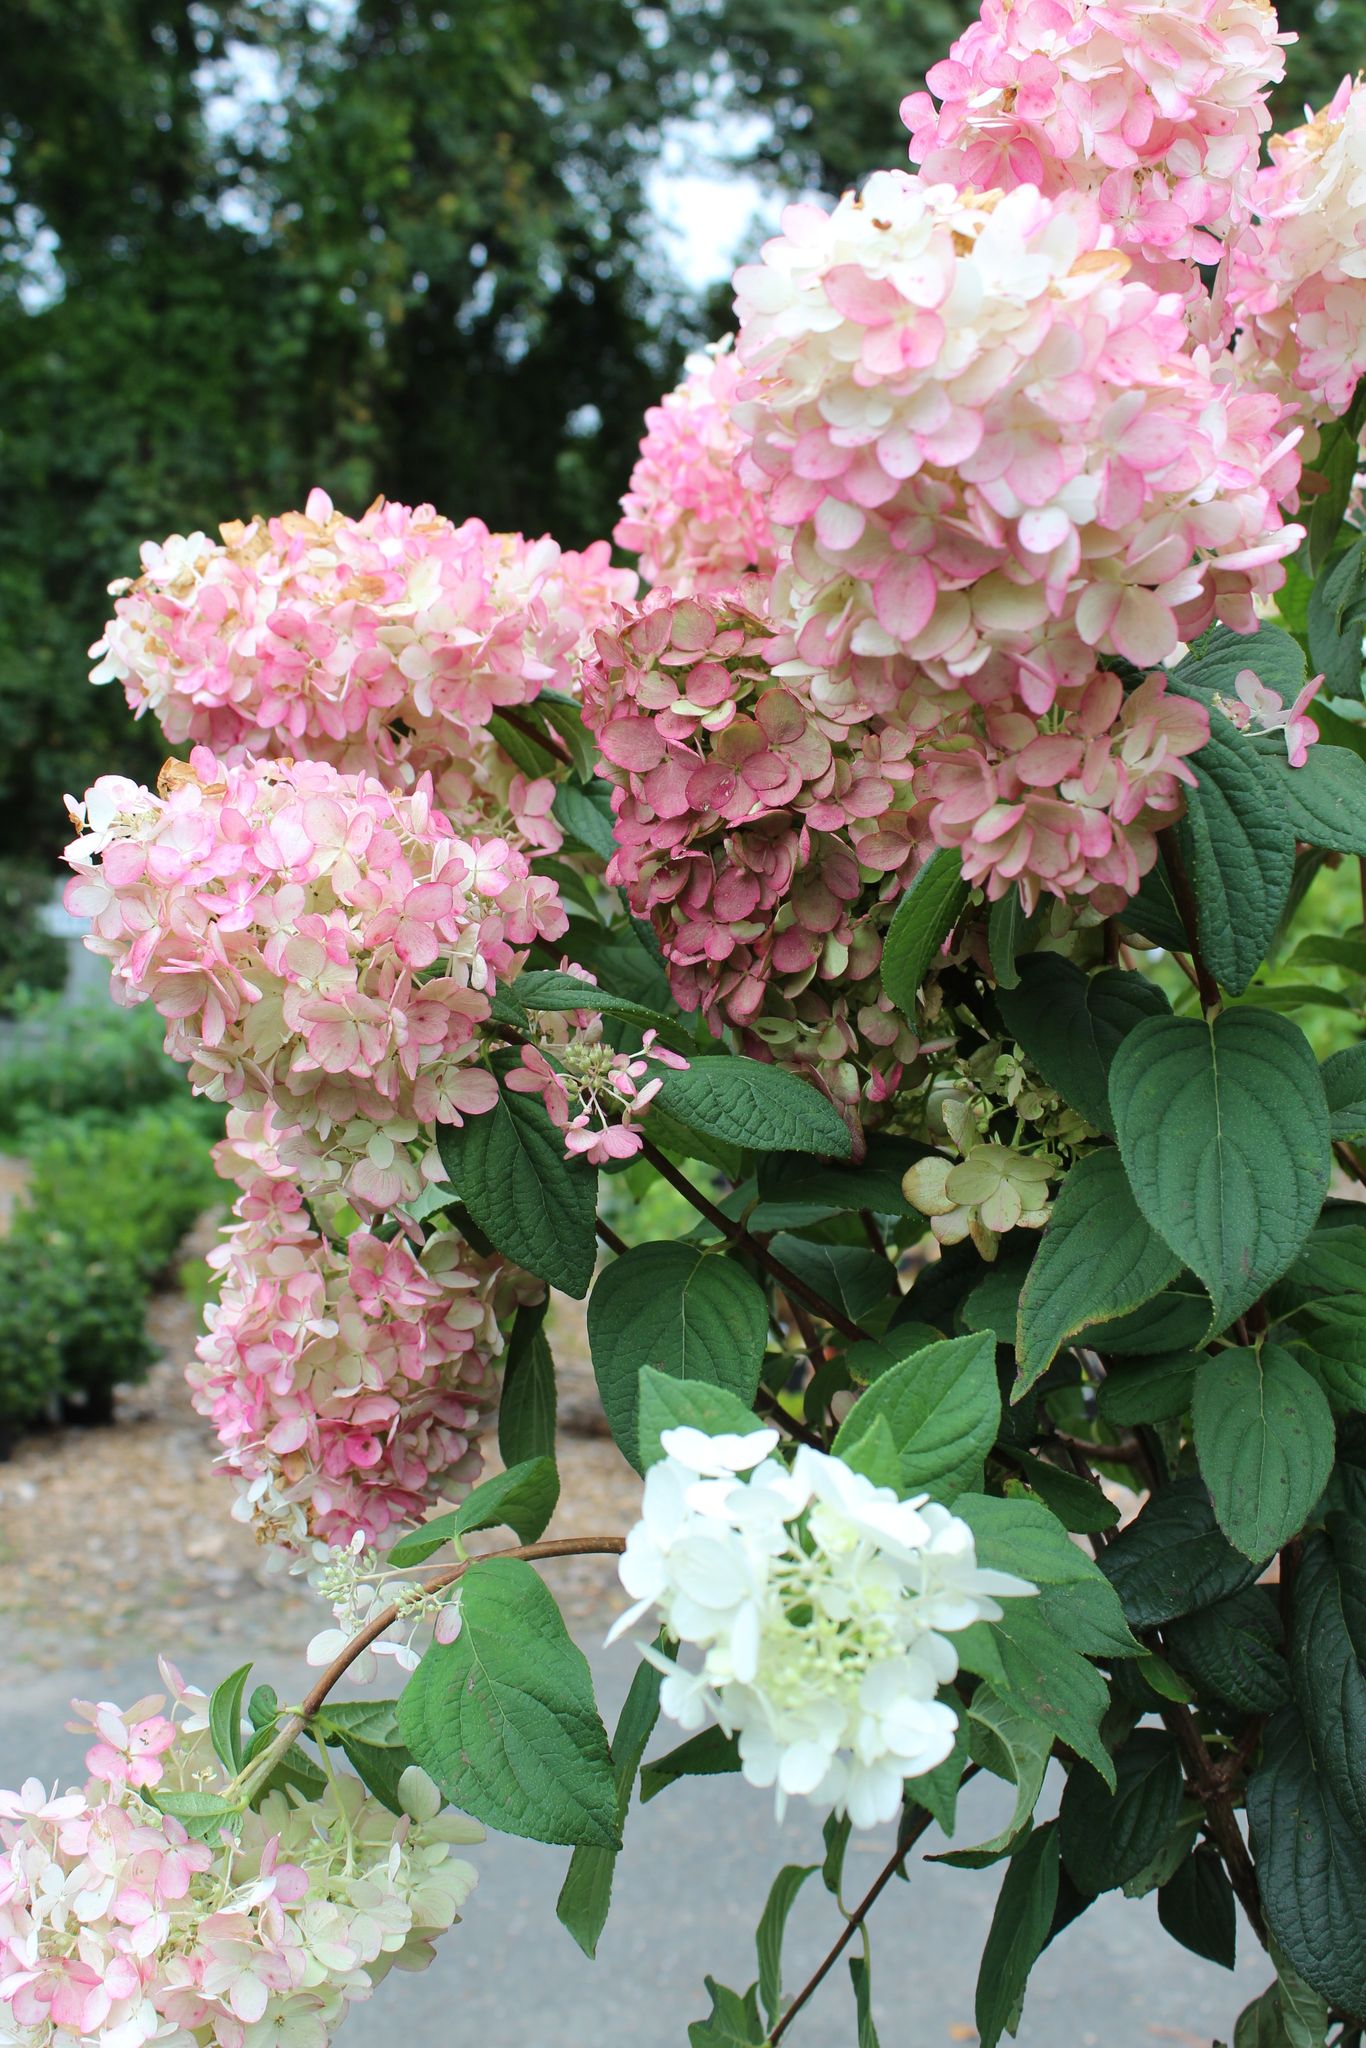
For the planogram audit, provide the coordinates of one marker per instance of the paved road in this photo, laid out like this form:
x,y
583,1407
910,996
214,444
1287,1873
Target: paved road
x,y
510,1977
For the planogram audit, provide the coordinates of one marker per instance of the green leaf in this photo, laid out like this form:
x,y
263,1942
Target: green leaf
x,y
202,1814
504,1718
1108,1836
1008,926
875,1455
1337,1358
1053,1684
835,1833
1078,1504
1098,1258
853,1278
1213,666
565,717
1012,1746
1304,2014
1151,1390
547,988
1264,1435
586,1894
1344,1085
1239,850
1174,1320
526,1406
760,1108
1019,1931
924,918
1336,464
225,1719
1311,1866
795,1191
379,1766
521,1499
1327,1648
712,1754
1072,1024
1076,1600
585,812
943,1408
1173,1558
769,1938
733,2022
1153,913
1336,607
694,1315
1223,1129
538,1207
1197,1907
1231,1651
1325,800
669,1403
866,2033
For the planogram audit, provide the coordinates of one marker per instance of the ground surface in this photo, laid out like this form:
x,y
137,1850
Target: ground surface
x,y
116,1542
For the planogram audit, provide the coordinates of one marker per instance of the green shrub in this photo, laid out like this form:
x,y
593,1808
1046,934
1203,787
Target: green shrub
x,y
125,1192
72,1327
31,958
92,1060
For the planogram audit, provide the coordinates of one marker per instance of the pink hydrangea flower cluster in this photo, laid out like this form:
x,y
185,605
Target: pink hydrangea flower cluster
x,y
591,1092
686,514
768,837
1256,708
116,1928
315,941
995,454
1156,106
383,644
1298,277
347,1382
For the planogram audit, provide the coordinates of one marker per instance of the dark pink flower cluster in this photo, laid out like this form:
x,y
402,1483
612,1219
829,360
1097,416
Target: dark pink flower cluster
x,y
314,941
1157,108
347,1382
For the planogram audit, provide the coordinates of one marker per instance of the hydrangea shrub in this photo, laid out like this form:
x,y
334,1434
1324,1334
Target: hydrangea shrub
x,y
939,868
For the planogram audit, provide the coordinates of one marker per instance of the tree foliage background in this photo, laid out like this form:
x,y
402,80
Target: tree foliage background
x,y
418,259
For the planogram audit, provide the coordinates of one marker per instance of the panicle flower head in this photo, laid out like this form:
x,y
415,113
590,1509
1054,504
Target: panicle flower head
x,y
347,1383
1298,276
117,1928
383,644
316,942
695,526
1156,106
822,1609
993,452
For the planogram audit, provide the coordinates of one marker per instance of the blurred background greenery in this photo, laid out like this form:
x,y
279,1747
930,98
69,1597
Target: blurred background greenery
x,y
405,246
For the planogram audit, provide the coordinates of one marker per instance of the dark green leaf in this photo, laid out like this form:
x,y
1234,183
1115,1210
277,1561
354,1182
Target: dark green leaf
x,y
1072,1024
1239,849
866,2033
1174,1320
1053,1684
1213,666
1336,464
1344,1085
668,1403
1151,1390
852,1278
733,2022
547,988
712,1754
1325,799
586,1894
538,1207
1197,1907
795,1190
835,1833
1012,1746
1326,1650
225,1719
526,1406
1264,1434
1232,1652
1008,926
694,1315
924,918
1311,1866
1108,1837
586,815
1019,1929
504,1718
1336,1355
1078,1504
1223,1129
760,1108
522,1499
769,1939
943,1408
1173,1558
1336,608
1098,1258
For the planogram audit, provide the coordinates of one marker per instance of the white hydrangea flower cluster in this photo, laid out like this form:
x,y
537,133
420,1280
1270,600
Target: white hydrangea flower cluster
x,y
823,1607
